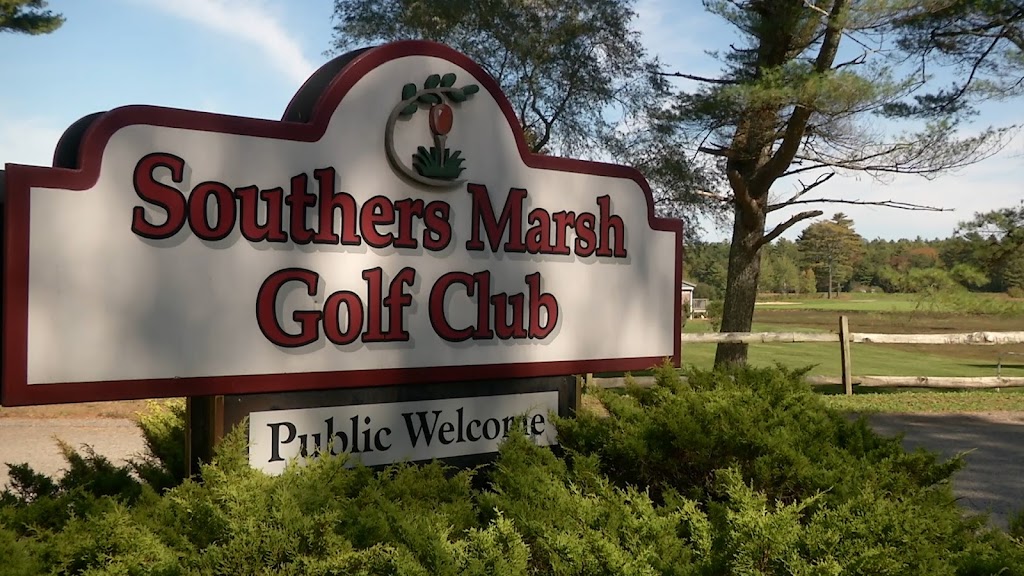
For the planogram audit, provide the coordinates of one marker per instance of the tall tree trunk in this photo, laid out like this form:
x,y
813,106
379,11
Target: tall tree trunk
x,y
829,280
741,288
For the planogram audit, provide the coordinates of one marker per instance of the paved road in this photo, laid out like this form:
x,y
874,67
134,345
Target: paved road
x,y
993,480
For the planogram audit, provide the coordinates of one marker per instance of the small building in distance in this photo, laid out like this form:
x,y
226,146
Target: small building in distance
x,y
698,306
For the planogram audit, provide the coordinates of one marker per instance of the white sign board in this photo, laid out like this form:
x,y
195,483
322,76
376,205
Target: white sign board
x,y
376,434
400,232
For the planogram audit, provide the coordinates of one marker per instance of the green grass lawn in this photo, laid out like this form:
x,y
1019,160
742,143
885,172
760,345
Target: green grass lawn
x,y
886,313
867,360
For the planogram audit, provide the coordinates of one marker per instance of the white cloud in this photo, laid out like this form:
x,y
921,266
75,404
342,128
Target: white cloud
x,y
251,21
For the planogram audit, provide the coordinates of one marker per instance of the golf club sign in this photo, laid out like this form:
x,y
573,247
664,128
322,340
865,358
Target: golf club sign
x,y
392,229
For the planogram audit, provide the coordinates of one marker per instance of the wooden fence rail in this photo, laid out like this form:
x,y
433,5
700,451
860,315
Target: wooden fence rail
x,y
939,382
973,338
844,337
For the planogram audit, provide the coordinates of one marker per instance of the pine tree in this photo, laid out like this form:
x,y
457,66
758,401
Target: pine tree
x,y
787,105
28,17
831,248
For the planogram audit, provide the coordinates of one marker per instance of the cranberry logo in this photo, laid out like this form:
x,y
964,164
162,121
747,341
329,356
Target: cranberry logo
x,y
437,166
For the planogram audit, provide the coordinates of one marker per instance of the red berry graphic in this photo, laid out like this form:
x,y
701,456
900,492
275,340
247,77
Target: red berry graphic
x,y
441,119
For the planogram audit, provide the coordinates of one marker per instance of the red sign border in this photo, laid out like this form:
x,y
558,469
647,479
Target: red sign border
x,y
15,390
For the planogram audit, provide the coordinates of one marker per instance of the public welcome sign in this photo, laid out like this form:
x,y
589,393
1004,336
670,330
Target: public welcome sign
x,y
392,228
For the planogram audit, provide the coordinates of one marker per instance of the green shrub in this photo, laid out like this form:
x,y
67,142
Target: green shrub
x,y
163,430
767,423
715,310
739,472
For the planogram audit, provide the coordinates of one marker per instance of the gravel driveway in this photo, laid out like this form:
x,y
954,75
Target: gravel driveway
x,y
993,480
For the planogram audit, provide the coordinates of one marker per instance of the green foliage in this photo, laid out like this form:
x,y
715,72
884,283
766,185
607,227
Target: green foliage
x,y
740,472
808,282
703,290
163,429
968,275
976,43
831,248
967,260
963,302
929,280
789,100
715,310
563,64
28,17
767,423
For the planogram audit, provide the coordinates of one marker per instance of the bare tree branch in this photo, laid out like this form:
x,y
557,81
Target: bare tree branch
x,y
815,166
883,203
804,189
716,151
714,196
722,81
853,62
778,230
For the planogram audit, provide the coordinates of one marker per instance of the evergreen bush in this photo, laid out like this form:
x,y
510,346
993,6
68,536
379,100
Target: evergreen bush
x,y
733,472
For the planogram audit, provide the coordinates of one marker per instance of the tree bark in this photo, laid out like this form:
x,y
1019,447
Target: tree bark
x,y
741,291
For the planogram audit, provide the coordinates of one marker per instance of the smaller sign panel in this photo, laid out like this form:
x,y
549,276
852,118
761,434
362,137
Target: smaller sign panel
x,y
386,433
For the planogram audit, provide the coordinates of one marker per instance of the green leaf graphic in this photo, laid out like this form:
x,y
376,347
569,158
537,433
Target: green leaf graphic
x,y
408,91
432,81
429,99
409,110
470,89
447,80
457,95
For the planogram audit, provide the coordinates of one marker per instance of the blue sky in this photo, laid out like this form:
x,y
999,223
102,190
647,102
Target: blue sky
x,y
247,58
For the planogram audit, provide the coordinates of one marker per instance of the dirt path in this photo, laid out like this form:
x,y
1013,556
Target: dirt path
x,y
993,480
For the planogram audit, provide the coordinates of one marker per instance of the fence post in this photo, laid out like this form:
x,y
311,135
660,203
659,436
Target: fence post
x,y
844,354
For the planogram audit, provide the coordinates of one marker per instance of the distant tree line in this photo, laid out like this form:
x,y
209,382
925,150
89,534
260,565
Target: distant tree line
x,y
985,254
